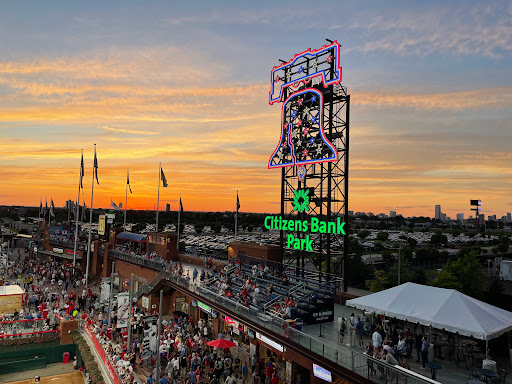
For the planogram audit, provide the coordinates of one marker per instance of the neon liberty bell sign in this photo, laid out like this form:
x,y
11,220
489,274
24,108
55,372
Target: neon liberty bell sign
x,y
303,140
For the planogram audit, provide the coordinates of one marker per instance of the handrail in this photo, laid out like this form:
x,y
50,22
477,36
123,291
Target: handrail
x,y
68,244
296,288
346,358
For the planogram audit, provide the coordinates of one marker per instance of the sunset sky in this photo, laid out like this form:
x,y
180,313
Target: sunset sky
x,y
186,83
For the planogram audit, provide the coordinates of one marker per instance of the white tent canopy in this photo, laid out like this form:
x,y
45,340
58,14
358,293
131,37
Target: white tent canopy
x,y
439,308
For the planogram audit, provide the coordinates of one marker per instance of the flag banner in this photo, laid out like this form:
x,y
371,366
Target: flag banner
x,y
123,309
45,207
181,205
82,172
237,202
40,207
114,205
128,180
162,177
52,209
96,166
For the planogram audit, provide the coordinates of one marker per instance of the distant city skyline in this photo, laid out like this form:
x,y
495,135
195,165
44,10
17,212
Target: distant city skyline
x,y
186,84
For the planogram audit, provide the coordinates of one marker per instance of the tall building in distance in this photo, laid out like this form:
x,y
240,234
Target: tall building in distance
x,y
460,217
392,213
70,204
167,207
438,212
509,218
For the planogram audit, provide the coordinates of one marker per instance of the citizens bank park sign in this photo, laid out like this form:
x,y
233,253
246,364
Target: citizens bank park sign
x,y
303,141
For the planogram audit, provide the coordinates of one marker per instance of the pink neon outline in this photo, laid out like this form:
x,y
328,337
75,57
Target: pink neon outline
x,y
325,83
321,130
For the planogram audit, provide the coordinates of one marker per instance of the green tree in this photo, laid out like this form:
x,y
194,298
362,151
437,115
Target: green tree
x,y
495,294
412,242
379,283
363,234
426,254
382,236
438,238
446,279
388,257
406,274
464,274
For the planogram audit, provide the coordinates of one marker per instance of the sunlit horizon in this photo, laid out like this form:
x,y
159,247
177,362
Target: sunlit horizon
x,y
187,85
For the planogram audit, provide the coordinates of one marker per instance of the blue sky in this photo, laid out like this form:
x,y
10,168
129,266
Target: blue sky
x,y
185,83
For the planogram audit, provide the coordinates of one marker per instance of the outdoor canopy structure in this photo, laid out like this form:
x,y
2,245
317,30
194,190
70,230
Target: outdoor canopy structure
x,y
438,308
134,237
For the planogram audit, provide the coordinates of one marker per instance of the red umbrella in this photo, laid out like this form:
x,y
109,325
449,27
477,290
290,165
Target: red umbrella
x,y
221,343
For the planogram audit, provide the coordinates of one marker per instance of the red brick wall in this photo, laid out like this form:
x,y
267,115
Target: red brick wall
x,y
126,269
65,327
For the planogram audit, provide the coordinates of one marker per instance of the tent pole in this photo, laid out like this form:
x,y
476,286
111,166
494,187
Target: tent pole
x,y
487,349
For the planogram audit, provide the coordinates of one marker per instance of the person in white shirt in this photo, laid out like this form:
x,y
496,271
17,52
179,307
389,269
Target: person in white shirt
x,y
376,338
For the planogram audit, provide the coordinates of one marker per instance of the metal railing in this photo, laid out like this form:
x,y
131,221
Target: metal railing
x,y
135,259
345,357
381,372
68,244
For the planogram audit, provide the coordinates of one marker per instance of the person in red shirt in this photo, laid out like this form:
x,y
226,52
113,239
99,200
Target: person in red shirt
x,y
269,370
274,380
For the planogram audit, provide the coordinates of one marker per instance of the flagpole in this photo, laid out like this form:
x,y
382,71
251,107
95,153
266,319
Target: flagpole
x,y
158,199
90,226
126,200
236,215
179,214
39,219
77,215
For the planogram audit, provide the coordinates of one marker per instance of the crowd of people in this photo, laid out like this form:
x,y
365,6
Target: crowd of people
x,y
185,356
394,347
249,291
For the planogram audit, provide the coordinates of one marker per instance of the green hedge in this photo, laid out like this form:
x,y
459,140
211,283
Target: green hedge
x,y
90,363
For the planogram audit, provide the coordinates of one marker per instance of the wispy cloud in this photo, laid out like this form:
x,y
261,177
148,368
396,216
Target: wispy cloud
x,y
480,30
130,131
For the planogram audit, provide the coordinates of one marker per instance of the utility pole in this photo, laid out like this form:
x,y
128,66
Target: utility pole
x,y
399,261
159,333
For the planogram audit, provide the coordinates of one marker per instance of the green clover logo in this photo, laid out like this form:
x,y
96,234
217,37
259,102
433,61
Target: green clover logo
x,y
301,200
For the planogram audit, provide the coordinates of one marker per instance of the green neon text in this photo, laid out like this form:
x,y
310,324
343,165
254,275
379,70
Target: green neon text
x,y
313,226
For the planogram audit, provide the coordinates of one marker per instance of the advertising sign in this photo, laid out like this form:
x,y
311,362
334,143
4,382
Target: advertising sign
x,y
269,342
123,309
101,225
105,289
64,232
322,373
149,343
204,307
303,140
145,302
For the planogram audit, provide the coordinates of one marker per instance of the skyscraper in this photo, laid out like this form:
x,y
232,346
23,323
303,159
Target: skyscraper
x,y
509,218
392,213
460,217
438,212
167,207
